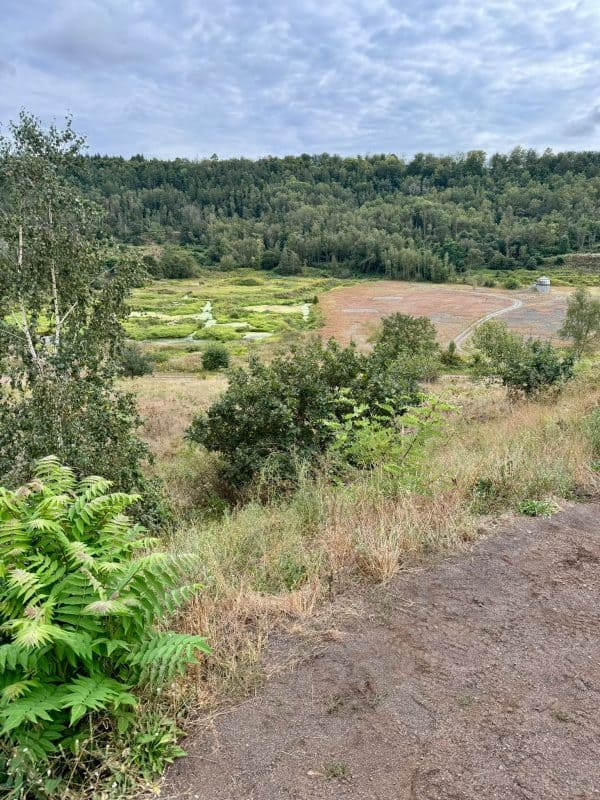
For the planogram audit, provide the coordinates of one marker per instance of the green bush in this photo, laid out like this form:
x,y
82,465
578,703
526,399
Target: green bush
x,y
511,283
215,357
83,605
272,414
403,335
539,367
450,357
176,264
275,416
134,362
525,367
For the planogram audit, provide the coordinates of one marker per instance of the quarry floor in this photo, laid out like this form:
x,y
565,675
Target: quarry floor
x,y
472,678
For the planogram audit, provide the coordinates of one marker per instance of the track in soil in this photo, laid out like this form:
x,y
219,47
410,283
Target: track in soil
x,y
475,678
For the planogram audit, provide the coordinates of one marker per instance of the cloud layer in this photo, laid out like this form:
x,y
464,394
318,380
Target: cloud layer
x,y
255,77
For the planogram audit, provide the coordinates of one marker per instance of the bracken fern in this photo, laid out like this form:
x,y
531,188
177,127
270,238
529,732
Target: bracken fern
x,y
81,596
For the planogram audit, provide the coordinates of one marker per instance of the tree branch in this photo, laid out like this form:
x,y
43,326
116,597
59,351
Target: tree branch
x,y
24,323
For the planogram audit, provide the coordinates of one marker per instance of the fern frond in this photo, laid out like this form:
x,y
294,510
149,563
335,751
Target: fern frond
x,y
164,655
86,694
106,607
40,742
13,656
24,584
34,707
16,690
54,475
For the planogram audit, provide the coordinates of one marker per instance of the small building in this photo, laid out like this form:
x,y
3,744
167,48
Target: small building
x,y
542,285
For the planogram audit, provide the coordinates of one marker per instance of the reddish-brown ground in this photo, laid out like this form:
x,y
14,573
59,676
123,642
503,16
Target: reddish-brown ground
x,y
353,312
476,678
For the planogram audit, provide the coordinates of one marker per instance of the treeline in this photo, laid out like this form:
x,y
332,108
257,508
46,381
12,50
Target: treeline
x,y
428,219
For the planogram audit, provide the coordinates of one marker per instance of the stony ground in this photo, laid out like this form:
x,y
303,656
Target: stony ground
x,y
476,678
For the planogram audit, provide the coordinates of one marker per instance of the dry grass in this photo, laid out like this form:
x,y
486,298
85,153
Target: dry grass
x,y
269,565
167,404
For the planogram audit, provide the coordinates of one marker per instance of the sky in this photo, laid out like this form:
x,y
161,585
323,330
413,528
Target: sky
x,y
189,78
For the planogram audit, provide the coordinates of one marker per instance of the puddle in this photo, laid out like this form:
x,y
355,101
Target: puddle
x,y
299,308
254,336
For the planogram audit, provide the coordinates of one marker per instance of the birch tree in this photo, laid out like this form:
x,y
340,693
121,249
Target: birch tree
x,y
61,302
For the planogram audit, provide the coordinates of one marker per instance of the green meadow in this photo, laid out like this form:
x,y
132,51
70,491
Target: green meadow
x,y
247,308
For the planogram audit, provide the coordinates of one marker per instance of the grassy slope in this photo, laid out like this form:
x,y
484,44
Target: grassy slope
x,y
268,564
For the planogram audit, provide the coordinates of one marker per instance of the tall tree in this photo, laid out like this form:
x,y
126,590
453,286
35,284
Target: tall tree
x,y
61,298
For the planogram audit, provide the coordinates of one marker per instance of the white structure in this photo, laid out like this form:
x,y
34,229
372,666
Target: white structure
x,y
542,285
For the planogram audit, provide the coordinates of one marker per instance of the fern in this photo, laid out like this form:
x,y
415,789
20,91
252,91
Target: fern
x,y
80,595
93,694
166,654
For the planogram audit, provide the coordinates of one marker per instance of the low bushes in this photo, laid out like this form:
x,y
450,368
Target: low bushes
x,y
526,367
276,416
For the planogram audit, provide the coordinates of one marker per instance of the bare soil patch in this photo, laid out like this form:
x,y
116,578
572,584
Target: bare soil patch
x,y
540,316
476,677
352,313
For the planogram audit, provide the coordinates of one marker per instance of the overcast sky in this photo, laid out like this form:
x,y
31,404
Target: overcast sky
x,y
255,77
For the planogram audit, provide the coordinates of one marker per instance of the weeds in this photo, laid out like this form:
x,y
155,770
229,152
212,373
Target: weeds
x,y
336,769
538,508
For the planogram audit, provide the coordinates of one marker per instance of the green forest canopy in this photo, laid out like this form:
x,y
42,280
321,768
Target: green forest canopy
x,y
427,218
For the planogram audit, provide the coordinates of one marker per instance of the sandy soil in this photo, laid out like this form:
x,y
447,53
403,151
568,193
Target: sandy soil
x,y
476,678
353,312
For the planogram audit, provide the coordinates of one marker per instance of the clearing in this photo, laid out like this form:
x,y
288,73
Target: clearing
x,y
353,312
476,677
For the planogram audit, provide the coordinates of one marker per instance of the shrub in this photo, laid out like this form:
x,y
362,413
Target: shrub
x,y
275,416
539,367
450,356
582,323
176,263
80,602
402,335
134,362
511,283
289,263
215,357
273,413
523,366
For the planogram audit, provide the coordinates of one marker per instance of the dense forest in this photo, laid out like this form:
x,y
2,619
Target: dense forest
x,y
429,218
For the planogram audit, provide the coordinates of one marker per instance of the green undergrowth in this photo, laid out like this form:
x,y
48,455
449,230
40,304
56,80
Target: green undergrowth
x,y
167,309
271,559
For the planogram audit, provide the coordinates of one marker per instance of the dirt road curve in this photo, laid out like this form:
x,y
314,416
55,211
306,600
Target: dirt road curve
x,y
474,679
466,334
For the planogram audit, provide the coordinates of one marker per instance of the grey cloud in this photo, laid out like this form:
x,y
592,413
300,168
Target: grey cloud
x,y
251,77
584,125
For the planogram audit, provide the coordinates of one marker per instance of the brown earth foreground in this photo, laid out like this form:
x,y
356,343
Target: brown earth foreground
x,y
477,678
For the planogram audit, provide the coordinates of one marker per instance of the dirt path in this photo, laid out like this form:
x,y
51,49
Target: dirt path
x,y
466,334
477,678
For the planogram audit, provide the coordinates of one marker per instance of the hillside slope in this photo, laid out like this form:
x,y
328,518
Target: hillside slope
x,y
476,677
